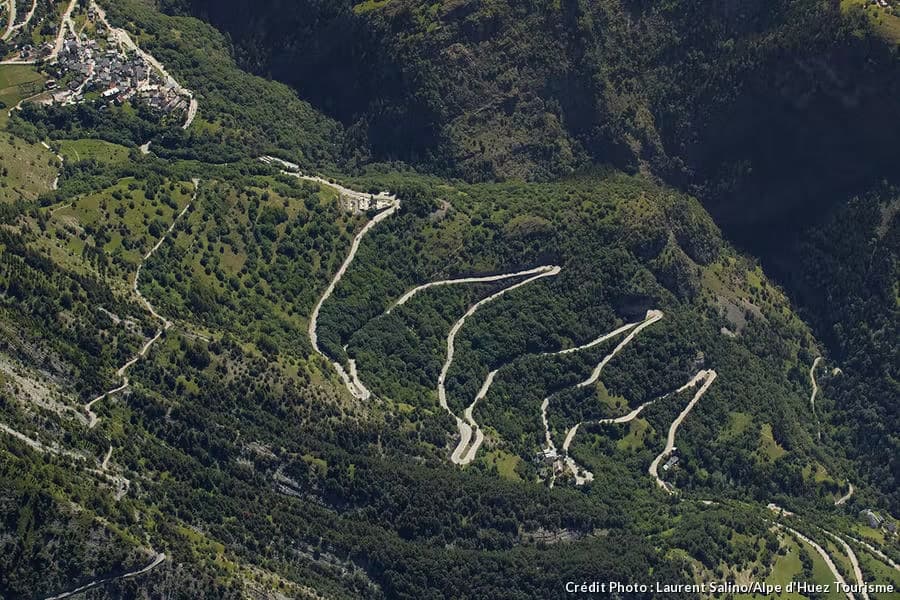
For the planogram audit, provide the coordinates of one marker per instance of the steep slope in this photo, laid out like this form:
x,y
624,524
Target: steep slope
x,y
773,114
237,453
728,98
846,285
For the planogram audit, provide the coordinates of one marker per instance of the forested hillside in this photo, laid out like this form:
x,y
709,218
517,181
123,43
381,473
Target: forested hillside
x,y
761,106
774,115
225,375
847,284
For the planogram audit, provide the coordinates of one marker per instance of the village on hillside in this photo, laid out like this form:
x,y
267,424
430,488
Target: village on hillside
x,y
87,69
91,61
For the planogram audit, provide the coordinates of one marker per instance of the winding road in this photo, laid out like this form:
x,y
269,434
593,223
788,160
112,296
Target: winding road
x,y
812,396
570,435
831,566
65,23
382,199
465,429
157,560
468,427
470,419
461,280
650,318
843,499
10,24
355,391
709,376
28,16
812,402
93,419
191,113
857,572
361,389
469,456
351,380
884,557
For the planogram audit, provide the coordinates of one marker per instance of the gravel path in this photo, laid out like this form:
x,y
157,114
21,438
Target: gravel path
x,y
105,464
38,446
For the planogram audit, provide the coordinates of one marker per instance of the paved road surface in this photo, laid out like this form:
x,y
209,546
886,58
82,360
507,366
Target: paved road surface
x,y
857,572
583,476
465,430
710,376
834,571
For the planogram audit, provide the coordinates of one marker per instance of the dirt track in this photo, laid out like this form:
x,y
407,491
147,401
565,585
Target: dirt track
x,y
166,324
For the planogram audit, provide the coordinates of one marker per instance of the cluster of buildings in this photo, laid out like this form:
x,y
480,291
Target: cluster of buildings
x,y
27,52
360,203
350,200
83,66
876,521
